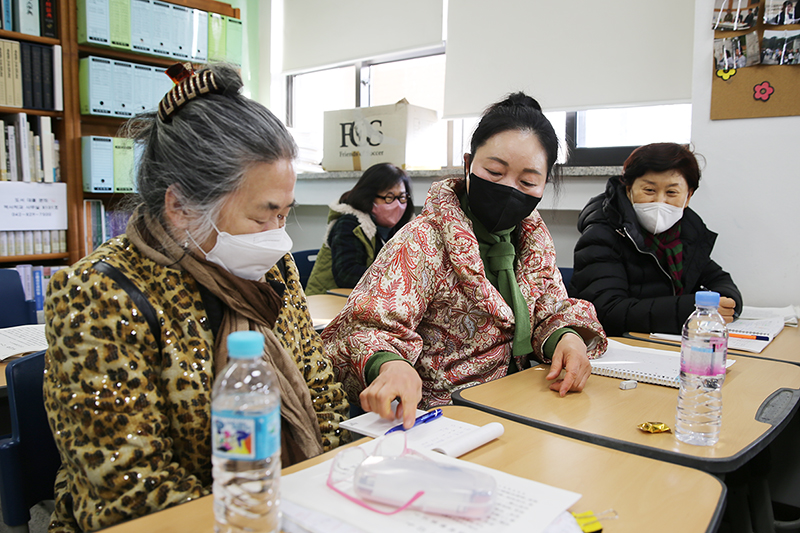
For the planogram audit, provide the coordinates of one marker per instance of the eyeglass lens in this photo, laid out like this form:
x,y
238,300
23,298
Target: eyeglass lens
x,y
389,198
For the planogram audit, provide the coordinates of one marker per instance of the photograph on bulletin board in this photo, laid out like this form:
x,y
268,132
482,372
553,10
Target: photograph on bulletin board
x,y
733,15
780,12
756,68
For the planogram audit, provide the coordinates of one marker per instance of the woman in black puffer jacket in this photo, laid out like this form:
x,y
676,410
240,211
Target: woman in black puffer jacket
x,y
643,252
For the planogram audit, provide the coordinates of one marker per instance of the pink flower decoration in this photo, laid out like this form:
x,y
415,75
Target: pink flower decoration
x,y
763,91
726,74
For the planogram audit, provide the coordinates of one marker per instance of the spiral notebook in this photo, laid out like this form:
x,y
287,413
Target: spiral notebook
x,y
648,365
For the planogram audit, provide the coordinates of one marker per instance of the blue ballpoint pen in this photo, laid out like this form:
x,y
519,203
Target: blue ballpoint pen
x,y
422,419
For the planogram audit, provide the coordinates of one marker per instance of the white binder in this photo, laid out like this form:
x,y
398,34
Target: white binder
x,y
182,32
98,163
142,26
122,103
199,36
142,88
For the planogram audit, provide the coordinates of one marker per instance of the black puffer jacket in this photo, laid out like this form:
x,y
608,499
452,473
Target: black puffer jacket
x,y
630,290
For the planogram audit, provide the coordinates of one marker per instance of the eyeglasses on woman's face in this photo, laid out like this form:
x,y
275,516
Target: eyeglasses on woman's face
x,y
389,198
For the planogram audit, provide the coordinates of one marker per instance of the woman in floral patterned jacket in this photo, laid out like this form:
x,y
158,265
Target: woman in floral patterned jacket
x,y
468,291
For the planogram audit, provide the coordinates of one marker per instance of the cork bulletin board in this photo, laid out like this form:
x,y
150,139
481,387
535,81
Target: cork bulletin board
x,y
763,88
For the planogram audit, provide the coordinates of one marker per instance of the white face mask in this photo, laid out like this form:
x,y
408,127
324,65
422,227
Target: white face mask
x,y
657,217
250,255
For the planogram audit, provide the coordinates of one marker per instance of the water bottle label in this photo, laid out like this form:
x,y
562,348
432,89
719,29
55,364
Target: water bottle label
x,y
246,437
705,359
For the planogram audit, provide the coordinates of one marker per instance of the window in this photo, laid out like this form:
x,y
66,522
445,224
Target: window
x,y
310,95
419,79
598,137
608,136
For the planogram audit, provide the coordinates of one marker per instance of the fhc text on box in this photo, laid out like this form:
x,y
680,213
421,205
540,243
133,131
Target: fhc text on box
x,y
32,206
401,134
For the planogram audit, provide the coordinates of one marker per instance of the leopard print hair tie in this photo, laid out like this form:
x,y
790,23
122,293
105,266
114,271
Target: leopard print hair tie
x,y
189,88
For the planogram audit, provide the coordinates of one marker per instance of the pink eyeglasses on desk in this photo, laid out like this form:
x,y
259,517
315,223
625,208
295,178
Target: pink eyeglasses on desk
x,y
399,477
347,461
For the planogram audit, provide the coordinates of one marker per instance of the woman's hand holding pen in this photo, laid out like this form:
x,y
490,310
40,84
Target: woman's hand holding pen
x,y
397,379
570,355
727,306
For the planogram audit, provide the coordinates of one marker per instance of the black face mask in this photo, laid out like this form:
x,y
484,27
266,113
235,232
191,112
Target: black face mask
x,y
498,207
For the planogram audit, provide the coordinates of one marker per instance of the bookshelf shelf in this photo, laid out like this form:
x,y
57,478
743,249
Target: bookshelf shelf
x,y
43,112
38,258
116,53
16,36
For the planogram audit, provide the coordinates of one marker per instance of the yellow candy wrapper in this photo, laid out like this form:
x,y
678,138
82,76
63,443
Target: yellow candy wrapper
x,y
654,427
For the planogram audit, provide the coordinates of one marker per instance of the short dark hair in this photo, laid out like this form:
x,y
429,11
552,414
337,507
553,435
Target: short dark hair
x,y
660,157
518,111
374,180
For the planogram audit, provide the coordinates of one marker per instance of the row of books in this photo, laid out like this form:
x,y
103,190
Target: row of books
x,y
160,28
35,279
29,150
30,75
33,242
109,164
101,224
120,89
33,17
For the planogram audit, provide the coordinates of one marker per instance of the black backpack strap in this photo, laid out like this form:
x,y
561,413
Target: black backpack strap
x,y
138,297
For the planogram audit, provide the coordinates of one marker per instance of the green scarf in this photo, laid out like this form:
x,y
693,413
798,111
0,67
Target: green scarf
x,y
498,254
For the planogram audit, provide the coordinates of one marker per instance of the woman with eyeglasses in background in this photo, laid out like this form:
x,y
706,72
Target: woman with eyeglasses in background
x,y
359,224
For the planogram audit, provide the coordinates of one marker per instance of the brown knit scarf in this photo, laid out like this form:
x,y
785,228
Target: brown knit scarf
x,y
249,306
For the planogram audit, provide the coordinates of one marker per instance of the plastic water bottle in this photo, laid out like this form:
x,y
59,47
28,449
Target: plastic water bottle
x,y
704,349
245,435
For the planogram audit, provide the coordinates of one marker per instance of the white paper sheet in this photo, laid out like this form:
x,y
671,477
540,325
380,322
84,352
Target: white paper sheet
x,y
22,339
734,343
788,313
522,505
445,435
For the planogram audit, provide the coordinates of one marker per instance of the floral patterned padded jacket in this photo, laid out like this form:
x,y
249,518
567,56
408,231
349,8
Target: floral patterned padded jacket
x,y
426,297
132,423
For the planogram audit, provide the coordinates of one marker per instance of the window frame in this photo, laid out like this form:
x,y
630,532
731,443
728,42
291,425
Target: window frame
x,y
613,156
361,86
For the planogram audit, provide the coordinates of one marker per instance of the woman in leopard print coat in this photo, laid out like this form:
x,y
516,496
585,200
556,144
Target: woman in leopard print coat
x,y
136,329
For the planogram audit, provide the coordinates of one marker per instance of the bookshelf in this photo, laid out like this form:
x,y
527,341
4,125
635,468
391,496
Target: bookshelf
x,y
69,126
78,125
59,119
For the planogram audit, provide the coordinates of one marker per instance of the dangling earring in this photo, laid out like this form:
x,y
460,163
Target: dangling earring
x,y
185,244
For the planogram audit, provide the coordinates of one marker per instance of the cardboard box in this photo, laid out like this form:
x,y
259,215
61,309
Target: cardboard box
x,y
401,134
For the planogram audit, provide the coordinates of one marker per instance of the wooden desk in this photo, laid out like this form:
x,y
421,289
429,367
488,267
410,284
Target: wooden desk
x,y
785,347
758,399
645,493
324,307
341,292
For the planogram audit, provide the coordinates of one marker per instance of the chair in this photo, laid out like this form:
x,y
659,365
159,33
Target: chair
x,y
29,459
16,310
304,260
566,275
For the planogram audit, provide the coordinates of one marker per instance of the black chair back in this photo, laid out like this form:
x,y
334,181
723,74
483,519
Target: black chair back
x,y
29,459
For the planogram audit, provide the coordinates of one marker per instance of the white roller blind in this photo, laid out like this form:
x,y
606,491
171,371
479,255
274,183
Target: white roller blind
x,y
568,54
326,32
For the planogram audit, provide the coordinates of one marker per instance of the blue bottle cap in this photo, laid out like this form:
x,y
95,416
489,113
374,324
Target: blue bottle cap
x,y
245,344
706,298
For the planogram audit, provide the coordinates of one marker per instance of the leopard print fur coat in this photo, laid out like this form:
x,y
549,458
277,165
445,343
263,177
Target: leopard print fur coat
x,y
132,422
